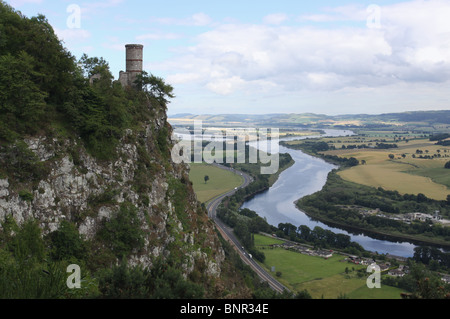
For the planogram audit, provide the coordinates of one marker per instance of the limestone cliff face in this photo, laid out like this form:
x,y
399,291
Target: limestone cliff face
x,y
86,191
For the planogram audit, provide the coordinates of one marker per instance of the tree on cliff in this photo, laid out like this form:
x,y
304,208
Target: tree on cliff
x,y
155,87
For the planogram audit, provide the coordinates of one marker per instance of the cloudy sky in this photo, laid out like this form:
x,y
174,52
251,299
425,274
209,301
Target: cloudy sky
x,y
260,56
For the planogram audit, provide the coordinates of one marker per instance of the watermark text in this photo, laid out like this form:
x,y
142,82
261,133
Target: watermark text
x,y
74,280
228,146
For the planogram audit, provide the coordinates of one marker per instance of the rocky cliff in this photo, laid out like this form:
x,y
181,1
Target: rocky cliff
x,y
87,192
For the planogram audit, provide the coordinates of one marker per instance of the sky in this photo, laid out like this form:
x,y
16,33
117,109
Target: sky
x,y
263,57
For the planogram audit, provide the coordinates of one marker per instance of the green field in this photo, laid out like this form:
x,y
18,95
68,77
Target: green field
x,y
320,277
406,173
438,175
266,241
220,181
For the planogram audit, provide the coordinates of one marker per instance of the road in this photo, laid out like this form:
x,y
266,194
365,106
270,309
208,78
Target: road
x,y
227,233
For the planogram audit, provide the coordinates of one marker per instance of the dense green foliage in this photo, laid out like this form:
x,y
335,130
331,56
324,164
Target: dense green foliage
x,y
43,86
320,238
163,281
20,163
35,71
33,267
179,195
444,143
66,243
436,259
122,233
439,137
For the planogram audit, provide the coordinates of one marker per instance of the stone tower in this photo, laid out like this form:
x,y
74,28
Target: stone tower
x,y
134,64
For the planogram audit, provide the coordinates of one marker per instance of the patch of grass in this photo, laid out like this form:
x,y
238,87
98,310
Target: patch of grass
x,y
386,292
261,240
437,175
298,268
220,181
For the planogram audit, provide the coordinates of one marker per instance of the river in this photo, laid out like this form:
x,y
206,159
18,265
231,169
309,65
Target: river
x,y
307,176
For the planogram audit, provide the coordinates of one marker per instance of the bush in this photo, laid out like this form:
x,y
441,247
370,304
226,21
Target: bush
x,y
67,243
20,163
122,233
123,282
163,281
31,280
447,165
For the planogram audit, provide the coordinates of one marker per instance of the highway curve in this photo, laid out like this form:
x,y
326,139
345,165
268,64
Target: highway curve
x,y
227,233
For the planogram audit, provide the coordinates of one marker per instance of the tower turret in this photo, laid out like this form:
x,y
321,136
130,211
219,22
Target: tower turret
x,y
134,64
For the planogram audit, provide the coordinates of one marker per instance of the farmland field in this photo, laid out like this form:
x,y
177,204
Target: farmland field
x,y
406,173
220,181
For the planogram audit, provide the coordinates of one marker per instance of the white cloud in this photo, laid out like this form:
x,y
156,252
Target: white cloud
x,y
276,18
412,45
72,35
198,19
114,46
225,86
182,78
286,57
342,13
98,6
403,64
18,3
159,36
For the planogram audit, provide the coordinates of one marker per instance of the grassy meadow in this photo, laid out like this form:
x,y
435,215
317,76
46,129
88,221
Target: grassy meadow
x,y
320,277
220,181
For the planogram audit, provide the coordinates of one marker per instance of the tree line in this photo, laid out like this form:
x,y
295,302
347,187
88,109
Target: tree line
x,y
320,238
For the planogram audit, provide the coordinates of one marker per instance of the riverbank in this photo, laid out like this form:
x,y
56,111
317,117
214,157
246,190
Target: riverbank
x,y
339,192
262,183
380,235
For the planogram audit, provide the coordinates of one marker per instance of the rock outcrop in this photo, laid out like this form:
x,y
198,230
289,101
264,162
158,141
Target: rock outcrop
x,y
80,189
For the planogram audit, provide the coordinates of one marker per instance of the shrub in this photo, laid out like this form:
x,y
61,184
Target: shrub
x,y
122,233
20,163
66,243
28,244
26,196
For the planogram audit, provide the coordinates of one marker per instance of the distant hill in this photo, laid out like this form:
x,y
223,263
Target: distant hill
x,y
432,117
418,118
